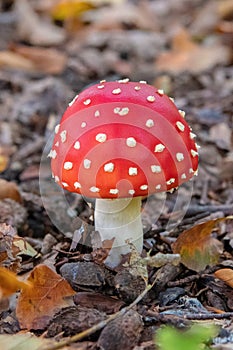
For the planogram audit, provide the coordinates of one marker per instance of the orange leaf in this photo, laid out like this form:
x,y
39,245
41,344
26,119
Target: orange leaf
x,y
5,150
9,59
9,283
48,294
196,246
225,275
4,160
45,60
186,55
9,189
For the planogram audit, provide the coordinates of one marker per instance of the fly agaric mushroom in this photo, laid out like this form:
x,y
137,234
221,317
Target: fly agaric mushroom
x,y
119,142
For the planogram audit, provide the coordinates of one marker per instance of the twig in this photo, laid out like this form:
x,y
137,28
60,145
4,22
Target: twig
x,y
209,316
99,325
196,209
164,318
182,281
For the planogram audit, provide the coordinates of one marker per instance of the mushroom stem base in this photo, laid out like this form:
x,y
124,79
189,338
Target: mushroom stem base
x,y
119,219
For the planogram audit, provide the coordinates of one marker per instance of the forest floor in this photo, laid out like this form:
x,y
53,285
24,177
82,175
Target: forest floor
x,y
50,51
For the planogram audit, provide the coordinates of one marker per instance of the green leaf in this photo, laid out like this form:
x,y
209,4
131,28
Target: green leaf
x,y
24,247
195,338
22,342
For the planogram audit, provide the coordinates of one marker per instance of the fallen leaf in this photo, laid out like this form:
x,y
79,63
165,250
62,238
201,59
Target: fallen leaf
x,y
35,29
12,246
7,233
9,189
197,247
5,151
226,168
24,247
66,9
225,8
9,59
221,134
3,162
100,248
49,61
9,283
120,15
49,293
225,275
186,55
23,342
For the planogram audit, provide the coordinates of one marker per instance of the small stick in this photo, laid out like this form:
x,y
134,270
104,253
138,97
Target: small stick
x,y
209,316
160,317
196,209
182,281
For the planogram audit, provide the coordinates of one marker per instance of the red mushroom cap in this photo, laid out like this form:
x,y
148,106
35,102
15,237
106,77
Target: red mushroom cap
x,y
122,139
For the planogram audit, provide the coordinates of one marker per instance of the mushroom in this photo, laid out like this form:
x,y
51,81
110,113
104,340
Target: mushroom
x,y
119,142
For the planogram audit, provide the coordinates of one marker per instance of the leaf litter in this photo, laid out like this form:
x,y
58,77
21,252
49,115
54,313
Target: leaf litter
x,y
46,58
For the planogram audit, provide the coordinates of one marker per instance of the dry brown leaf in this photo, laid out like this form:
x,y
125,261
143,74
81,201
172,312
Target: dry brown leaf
x,y
9,283
225,8
12,246
5,151
49,61
35,29
225,275
48,294
119,15
101,248
187,55
226,168
9,59
9,189
3,162
221,134
197,247
7,234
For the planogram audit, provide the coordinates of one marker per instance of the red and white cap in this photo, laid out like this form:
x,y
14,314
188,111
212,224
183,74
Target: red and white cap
x,y
122,139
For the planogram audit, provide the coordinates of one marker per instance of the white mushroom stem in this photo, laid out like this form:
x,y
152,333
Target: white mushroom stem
x,y
119,219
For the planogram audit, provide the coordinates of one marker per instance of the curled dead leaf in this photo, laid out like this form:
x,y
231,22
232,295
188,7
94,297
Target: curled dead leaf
x,y
34,29
186,55
12,247
9,189
49,61
5,151
225,275
9,59
197,247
